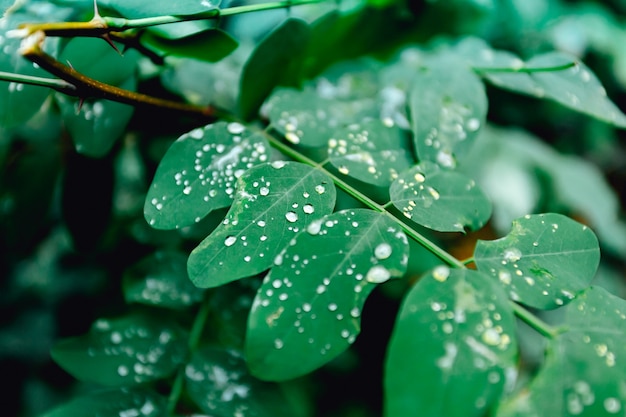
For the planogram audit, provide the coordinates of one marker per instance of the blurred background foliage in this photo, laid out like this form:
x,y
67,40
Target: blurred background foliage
x,y
72,231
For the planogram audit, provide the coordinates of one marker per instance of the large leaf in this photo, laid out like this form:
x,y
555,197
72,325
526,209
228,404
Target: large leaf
x,y
373,151
219,382
441,200
275,61
585,369
308,309
199,172
118,402
161,280
209,46
274,201
448,106
123,351
138,8
453,349
544,261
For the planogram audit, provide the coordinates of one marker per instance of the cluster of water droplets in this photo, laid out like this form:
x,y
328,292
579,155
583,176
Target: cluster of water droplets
x,y
416,193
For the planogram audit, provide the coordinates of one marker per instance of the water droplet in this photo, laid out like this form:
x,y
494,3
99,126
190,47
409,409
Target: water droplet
x,y
441,273
344,170
320,189
419,177
315,227
308,208
291,217
383,251
187,190
264,191
505,277
377,274
473,124
278,260
278,344
236,128
122,370
491,337
332,307
355,312
230,240
512,255
292,137
261,223
612,405
446,159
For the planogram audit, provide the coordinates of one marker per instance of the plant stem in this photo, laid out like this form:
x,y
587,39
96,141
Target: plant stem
x,y
526,69
533,321
358,195
54,83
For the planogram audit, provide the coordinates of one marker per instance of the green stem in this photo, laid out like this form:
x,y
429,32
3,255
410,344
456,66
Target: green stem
x,y
533,321
192,344
54,83
526,69
358,195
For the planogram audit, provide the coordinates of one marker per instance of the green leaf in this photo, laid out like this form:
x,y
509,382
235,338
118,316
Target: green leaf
x,y
209,46
95,125
441,200
199,172
218,381
123,351
274,201
453,349
275,61
308,309
116,402
448,106
138,8
373,151
584,372
161,280
544,261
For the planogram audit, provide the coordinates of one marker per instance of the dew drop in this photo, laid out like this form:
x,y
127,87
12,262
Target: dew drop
x,y
378,274
122,370
236,128
320,189
512,255
491,337
278,344
441,273
419,177
230,240
308,208
264,191
473,124
278,164
278,260
383,251
314,227
292,137
612,405
291,217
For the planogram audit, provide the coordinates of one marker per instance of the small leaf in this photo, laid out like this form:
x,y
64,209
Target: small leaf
x,y
161,280
584,372
123,351
441,200
308,309
275,61
274,201
448,107
373,151
208,46
218,379
453,348
544,261
199,172
114,402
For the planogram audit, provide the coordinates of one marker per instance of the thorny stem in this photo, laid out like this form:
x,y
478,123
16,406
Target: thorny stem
x,y
526,70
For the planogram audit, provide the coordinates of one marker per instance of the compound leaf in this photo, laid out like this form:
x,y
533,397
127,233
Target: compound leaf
x,y
307,311
123,351
585,371
273,202
373,151
544,261
199,172
446,201
448,106
453,348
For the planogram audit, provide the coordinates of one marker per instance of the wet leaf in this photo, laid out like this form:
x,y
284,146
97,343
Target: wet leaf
x,y
138,8
117,402
161,280
275,61
544,261
453,350
123,351
448,106
219,383
274,201
373,151
208,46
584,372
199,172
308,309
441,200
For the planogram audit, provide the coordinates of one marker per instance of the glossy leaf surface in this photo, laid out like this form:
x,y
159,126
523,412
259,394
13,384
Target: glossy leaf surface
x,y
122,402
448,106
161,280
544,261
123,351
373,151
218,381
274,201
453,348
584,373
308,309
275,61
441,200
208,46
199,172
